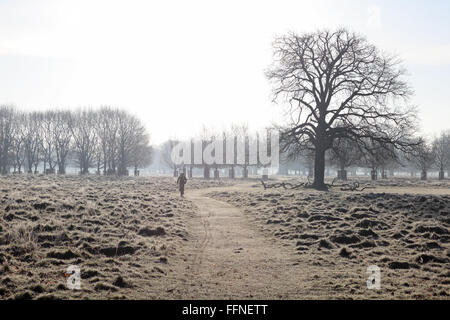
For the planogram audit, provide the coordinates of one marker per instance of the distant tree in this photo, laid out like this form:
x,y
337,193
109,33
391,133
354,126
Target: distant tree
x,y
241,133
32,141
48,140
307,161
424,158
141,151
344,153
206,136
441,152
166,152
107,128
141,156
300,155
130,130
85,140
63,138
18,145
377,157
337,77
7,114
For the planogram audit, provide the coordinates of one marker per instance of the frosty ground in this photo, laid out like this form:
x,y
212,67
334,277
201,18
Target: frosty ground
x,y
136,238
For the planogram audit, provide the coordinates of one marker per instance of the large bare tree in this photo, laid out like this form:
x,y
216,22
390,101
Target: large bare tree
x,y
339,86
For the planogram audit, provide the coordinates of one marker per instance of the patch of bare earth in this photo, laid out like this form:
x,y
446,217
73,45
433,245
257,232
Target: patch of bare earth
x,y
232,259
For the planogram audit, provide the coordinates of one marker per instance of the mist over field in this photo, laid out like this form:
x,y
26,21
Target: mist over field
x,y
224,151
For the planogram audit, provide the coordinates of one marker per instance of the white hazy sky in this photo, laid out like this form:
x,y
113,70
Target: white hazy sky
x,y
181,64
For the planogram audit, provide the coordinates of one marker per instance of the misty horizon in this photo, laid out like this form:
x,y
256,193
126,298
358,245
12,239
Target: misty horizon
x,y
205,70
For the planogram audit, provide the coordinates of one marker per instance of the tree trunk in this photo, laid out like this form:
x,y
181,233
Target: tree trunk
x,y
206,172
245,173
231,173
216,173
342,175
423,175
319,170
61,167
441,175
265,174
374,174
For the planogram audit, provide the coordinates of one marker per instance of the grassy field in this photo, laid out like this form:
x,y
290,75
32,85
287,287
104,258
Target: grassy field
x,y
136,238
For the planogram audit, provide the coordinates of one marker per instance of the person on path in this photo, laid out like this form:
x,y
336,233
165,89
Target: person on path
x,y
181,181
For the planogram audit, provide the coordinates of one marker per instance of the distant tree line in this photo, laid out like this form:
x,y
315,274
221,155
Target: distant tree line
x,y
382,161
109,140
235,133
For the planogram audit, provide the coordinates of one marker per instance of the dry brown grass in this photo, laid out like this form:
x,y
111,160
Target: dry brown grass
x,y
134,238
48,223
339,234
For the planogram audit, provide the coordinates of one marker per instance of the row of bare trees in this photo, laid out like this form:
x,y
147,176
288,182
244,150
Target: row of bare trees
x,y
349,101
434,155
425,156
236,132
109,140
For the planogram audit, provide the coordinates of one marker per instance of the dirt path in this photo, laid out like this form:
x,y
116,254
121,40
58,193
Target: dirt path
x,y
230,258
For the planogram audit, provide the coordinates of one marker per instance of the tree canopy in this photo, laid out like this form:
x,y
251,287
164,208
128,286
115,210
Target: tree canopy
x,y
338,85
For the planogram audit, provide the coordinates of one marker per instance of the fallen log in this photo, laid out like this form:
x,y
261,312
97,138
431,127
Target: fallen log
x,y
288,185
355,187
